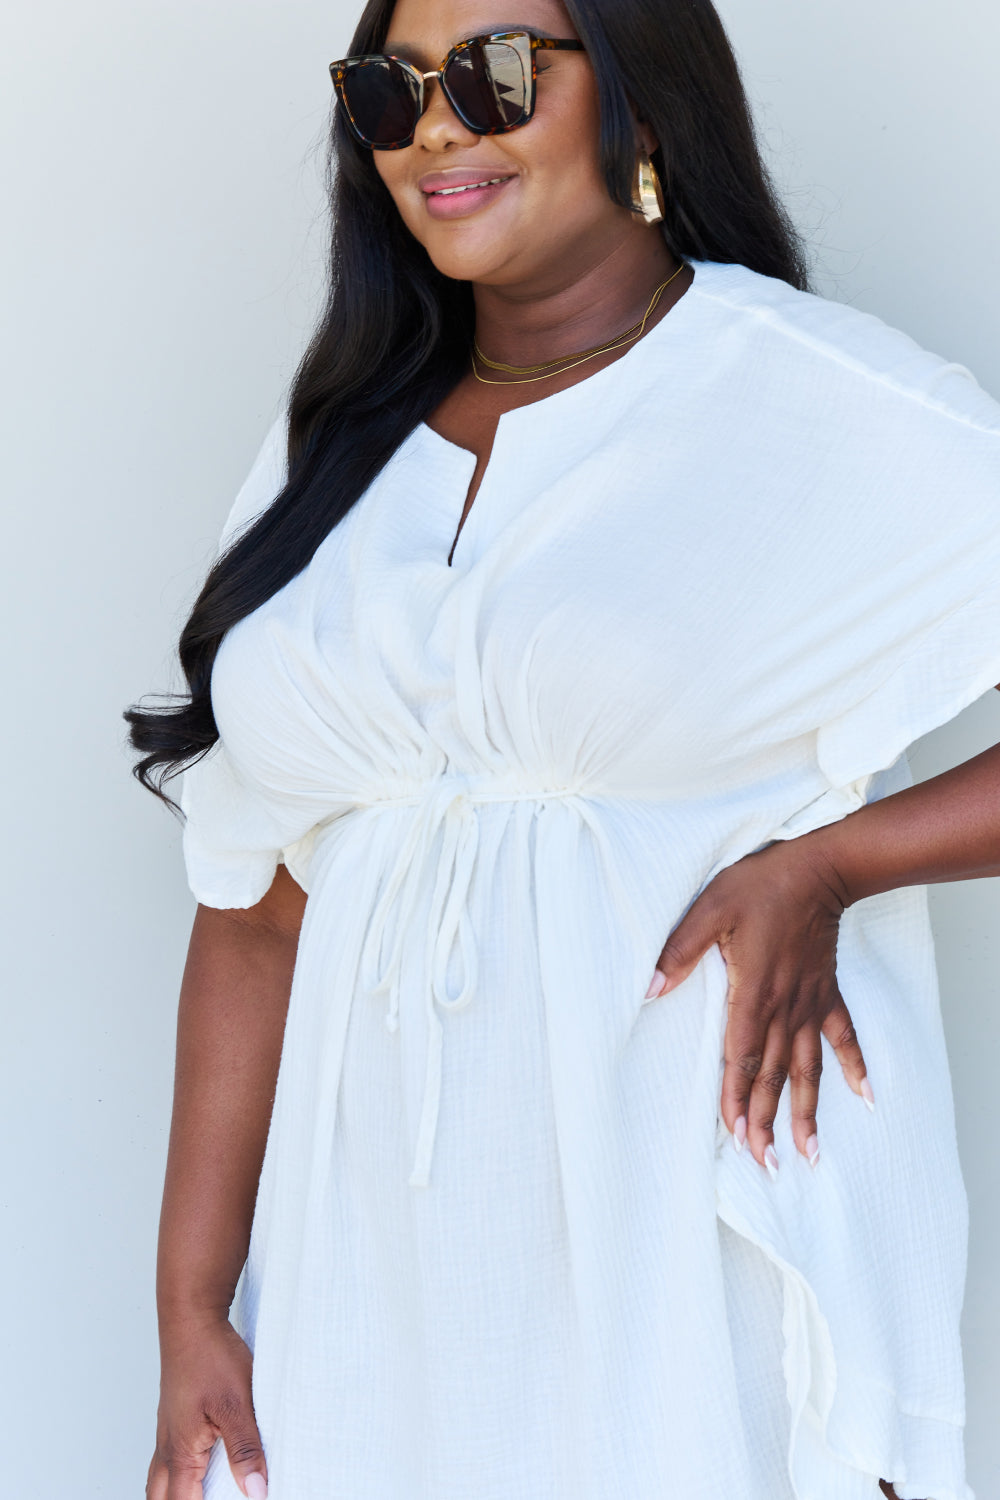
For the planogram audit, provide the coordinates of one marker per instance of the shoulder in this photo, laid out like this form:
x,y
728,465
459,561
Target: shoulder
x,y
265,481
803,337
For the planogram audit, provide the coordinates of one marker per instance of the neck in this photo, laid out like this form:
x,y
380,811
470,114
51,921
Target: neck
x,y
576,306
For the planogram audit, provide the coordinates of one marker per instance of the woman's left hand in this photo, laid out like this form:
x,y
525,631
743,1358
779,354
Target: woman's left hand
x,y
775,915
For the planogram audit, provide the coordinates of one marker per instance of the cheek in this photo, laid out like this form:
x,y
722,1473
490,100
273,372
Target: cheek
x,y
397,178
564,158
388,168
568,122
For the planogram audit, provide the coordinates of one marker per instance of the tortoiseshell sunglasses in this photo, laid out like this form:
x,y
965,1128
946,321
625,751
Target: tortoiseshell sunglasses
x,y
489,81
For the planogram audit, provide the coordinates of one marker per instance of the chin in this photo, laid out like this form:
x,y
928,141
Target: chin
x,y
482,261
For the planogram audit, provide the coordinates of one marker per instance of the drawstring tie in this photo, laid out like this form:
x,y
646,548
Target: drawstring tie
x,y
446,806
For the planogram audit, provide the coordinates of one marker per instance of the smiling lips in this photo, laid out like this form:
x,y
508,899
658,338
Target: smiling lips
x,y
468,187
457,193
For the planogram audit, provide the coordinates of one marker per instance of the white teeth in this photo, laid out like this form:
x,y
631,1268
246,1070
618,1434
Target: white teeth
x,y
490,182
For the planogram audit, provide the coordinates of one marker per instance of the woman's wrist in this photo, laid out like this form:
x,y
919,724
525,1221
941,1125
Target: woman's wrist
x,y
854,855
182,1318
946,828
190,1296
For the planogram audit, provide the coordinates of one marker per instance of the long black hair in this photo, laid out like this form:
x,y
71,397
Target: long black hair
x,y
395,334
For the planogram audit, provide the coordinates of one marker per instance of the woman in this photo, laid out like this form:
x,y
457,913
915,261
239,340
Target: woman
x,y
590,600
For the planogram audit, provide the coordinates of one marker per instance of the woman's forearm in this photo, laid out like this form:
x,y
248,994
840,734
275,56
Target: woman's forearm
x,y
946,828
231,1019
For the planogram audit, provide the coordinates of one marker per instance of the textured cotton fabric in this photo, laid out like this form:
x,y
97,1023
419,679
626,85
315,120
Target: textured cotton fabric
x,y
503,1246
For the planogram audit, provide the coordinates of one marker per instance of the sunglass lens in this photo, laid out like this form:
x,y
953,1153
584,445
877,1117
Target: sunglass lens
x,y
383,101
488,87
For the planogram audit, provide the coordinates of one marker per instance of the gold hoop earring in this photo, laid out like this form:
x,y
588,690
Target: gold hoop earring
x,y
648,197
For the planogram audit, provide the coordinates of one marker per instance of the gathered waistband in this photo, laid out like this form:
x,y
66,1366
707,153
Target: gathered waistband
x,y
453,786
443,807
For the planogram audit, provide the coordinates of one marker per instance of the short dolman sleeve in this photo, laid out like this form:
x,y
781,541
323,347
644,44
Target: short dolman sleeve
x,y
919,636
232,847
852,494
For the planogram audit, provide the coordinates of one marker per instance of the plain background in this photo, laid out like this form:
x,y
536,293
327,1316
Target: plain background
x,y
160,269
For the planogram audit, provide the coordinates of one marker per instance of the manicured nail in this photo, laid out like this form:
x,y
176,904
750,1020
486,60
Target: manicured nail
x,y
740,1133
867,1095
771,1163
812,1149
256,1487
656,984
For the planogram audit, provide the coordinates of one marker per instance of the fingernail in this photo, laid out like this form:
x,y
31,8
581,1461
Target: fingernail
x,y
771,1163
256,1487
812,1149
867,1095
740,1132
656,984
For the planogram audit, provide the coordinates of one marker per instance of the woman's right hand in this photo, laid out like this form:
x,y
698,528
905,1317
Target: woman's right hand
x,y
205,1393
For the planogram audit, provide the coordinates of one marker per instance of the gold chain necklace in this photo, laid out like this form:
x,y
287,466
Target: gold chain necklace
x,y
561,366
549,364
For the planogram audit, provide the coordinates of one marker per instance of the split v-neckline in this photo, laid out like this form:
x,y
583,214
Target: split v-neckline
x,y
548,408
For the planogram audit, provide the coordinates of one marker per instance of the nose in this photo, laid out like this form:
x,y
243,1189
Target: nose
x,y
439,126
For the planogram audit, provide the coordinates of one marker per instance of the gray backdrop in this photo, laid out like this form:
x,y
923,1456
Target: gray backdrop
x,y
162,238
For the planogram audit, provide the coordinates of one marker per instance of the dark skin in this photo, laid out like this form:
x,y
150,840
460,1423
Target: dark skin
x,y
469,415
230,1026
556,267
540,291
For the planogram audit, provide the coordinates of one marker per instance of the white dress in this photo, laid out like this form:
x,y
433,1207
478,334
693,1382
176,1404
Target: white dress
x,y
503,1247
